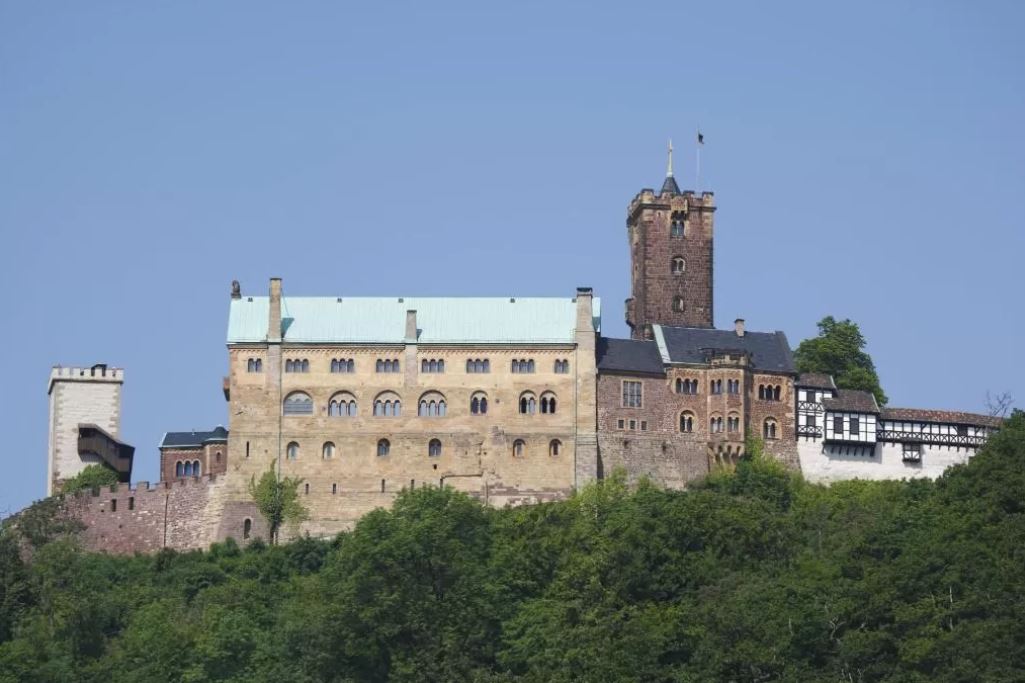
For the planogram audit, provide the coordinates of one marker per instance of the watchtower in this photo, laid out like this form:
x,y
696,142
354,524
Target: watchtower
x,y
85,423
671,236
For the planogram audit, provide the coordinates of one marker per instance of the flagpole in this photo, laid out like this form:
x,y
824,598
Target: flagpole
x,y
697,184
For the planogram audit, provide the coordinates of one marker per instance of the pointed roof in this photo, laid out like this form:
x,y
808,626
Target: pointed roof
x,y
670,187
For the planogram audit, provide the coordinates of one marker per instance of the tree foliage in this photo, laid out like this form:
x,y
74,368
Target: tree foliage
x,y
753,575
92,477
277,499
839,350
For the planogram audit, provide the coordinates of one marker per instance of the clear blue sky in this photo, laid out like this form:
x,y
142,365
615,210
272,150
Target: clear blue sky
x,y
868,162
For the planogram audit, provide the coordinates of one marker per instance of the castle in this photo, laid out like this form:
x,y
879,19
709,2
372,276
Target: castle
x,y
512,400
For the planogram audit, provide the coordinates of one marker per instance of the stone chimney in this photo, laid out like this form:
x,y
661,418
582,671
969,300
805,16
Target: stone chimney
x,y
274,319
236,290
738,325
411,326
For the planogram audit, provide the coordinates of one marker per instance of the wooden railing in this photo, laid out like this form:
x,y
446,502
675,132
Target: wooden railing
x,y
806,430
938,439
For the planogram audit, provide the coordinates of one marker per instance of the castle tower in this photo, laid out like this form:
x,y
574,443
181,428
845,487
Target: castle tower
x,y
85,421
670,236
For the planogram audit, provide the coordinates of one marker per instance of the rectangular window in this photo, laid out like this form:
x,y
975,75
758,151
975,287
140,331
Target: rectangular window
x,y
912,452
855,427
631,394
838,425
644,425
809,420
633,424
621,423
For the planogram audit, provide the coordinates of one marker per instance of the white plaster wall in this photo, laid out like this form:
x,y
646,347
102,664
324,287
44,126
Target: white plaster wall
x,y
825,464
72,403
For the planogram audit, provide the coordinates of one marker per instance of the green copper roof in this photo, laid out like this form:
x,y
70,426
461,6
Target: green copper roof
x,y
382,320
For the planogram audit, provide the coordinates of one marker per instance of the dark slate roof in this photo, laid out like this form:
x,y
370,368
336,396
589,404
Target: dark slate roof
x,y
769,351
815,380
851,400
943,416
184,439
670,186
629,355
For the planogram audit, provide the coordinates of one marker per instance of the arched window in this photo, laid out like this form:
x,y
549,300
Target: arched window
x,y
687,422
195,468
251,365
432,404
292,451
678,304
179,469
434,448
677,225
479,404
247,528
387,404
733,423
769,430
188,468
776,393
298,403
547,403
305,365
554,447
343,365
519,448
328,451
678,265
342,404
528,404
383,448
561,367
486,365
289,366
715,425
530,365
379,366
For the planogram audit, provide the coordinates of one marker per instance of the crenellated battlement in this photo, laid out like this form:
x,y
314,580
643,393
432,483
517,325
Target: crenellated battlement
x,y
686,200
142,488
100,372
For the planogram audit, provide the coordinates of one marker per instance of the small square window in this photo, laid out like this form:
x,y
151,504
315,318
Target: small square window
x,y
621,423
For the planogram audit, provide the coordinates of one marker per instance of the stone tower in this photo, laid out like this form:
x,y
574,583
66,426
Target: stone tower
x,y
670,237
85,421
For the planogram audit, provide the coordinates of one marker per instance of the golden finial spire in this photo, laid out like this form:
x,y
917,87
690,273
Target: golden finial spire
x,y
669,171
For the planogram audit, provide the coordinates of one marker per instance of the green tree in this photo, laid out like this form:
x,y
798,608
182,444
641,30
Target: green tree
x,y
839,350
278,500
92,477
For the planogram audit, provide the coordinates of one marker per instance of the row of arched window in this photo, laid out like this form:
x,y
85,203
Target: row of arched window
x,y
432,366
478,365
431,404
297,365
523,366
387,365
529,403
187,468
716,424
686,386
769,392
328,450
346,365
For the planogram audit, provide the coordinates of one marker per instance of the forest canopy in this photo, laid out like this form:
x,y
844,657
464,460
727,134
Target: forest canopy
x,y
753,575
